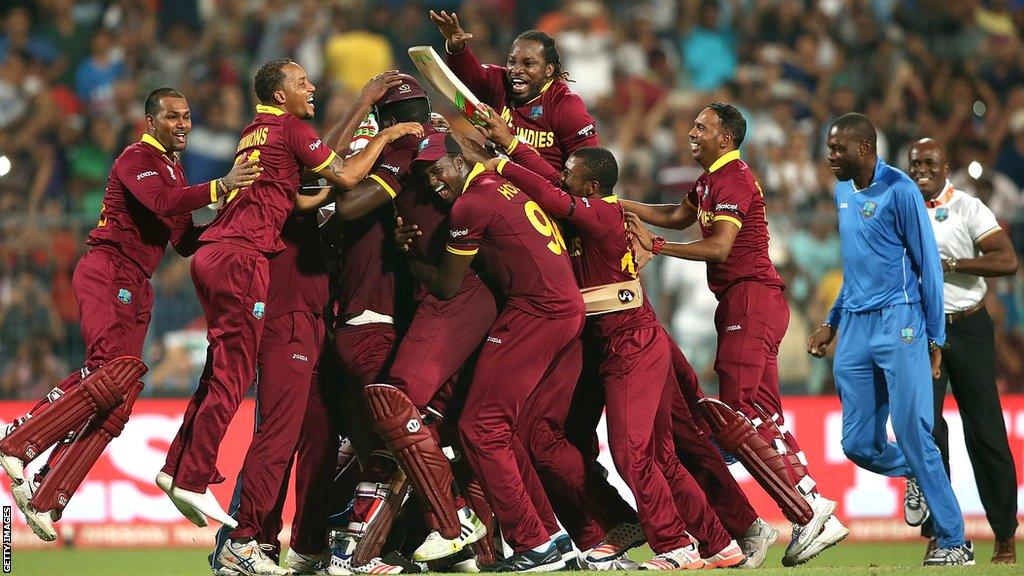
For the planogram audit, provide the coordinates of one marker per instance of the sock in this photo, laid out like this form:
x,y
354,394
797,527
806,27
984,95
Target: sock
x,y
543,547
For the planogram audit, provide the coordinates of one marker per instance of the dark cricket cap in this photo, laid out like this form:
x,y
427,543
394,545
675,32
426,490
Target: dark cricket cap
x,y
433,147
408,89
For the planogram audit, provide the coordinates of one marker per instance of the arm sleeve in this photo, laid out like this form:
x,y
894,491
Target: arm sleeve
x,y
731,198
919,241
485,81
388,169
573,126
593,216
185,235
691,198
526,156
836,313
466,224
152,185
307,146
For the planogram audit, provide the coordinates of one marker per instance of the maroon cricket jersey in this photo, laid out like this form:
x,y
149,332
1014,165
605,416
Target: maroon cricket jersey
x,y
599,249
147,203
283,145
298,275
728,191
518,247
556,122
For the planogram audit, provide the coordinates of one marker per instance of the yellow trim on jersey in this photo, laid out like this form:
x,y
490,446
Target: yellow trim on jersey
x,y
727,219
152,141
611,199
501,164
460,252
264,109
724,159
512,146
213,191
326,162
391,192
541,93
472,174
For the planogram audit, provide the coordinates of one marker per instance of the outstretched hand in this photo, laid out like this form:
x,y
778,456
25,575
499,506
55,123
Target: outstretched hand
x,y
396,131
448,24
241,175
404,234
492,125
375,88
636,227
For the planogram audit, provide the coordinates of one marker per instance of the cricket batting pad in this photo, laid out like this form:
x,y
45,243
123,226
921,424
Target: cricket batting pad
x,y
398,423
484,547
60,483
382,516
736,434
102,390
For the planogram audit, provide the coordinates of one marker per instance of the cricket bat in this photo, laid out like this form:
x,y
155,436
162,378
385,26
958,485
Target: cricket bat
x,y
441,77
613,297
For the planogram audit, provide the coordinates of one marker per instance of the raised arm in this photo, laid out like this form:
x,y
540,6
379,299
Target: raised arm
x,y
347,172
166,197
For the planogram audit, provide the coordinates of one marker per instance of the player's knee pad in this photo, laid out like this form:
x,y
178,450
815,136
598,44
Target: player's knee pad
x,y
103,389
399,424
70,469
737,435
385,501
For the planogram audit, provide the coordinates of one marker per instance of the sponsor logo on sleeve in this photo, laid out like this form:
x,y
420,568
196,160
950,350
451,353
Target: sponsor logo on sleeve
x,y
586,202
587,130
147,175
727,208
457,233
393,169
315,145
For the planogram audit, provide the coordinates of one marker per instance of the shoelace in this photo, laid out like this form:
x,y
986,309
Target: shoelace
x,y
913,495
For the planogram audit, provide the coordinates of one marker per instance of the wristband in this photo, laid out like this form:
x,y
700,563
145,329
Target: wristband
x,y
501,165
933,346
657,243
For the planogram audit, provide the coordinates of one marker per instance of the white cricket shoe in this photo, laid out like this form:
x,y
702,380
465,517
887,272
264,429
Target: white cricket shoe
x,y
616,543
831,534
343,546
166,483
205,503
249,558
300,563
755,543
41,523
802,535
685,558
728,557
915,508
12,465
436,546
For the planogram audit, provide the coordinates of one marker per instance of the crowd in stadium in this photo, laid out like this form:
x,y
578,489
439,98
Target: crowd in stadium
x,y
74,74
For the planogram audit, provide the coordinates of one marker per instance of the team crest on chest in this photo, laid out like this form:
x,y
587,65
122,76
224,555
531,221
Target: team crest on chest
x,y
868,209
941,214
536,112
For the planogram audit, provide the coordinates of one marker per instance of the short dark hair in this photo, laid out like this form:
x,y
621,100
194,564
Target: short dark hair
x,y
600,165
732,121
859,126
269,78
411,110
549,50
153,100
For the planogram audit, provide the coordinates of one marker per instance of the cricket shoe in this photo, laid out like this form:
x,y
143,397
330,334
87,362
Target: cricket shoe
x,y
548,560
343,546
962,555
915,509
685,558
802,535
569,554
300,563
623,562
616,543
728,557
436,546
755,543
166,483
13,466
205,504
41,523
831,534
249,558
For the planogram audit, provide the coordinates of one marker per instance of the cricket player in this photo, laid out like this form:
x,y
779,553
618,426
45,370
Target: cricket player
x,y
751,319
890,311
146,204
231,267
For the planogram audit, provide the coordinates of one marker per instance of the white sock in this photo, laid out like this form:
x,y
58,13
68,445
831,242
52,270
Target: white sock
x,y
559,534
543,547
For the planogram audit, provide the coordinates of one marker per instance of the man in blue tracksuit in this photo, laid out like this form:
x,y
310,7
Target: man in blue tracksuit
x,y
890,314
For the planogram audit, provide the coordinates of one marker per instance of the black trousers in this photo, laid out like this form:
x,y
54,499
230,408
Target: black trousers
x,y
969,368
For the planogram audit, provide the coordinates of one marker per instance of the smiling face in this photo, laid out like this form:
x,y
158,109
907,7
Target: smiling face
x,y
527,71
929,168
295,94
707,140
575,179
447,176
846,154
171,125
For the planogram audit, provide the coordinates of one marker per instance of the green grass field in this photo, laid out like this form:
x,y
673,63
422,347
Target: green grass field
x,y
884,558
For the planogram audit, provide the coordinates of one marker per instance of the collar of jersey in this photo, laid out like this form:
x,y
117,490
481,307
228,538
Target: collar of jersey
x,y
542,91
152,141
724,159
942,198
611,199
264,109
476,171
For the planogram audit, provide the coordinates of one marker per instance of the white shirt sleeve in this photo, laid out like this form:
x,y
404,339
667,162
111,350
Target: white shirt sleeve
x,y
980,220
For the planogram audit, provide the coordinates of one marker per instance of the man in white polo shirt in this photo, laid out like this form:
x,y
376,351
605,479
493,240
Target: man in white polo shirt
x,y
972,246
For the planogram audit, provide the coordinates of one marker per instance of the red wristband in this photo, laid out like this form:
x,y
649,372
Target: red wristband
x,y
657,243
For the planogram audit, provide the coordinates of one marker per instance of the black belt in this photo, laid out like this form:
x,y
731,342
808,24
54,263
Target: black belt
x,y
960,315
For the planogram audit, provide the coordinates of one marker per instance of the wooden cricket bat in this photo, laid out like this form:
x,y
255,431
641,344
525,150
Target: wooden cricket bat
x,y
613,297
441,77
